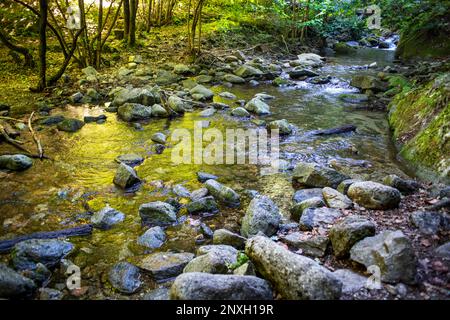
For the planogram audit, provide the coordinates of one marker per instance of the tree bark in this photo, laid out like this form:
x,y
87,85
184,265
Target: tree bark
x,y
132,29
98,50
126,18
43,7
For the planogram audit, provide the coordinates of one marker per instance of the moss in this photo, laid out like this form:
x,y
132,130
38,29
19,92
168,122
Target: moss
x,y
420,120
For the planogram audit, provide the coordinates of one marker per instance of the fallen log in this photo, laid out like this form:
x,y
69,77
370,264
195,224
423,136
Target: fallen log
x,y
35,137
84,230
338,130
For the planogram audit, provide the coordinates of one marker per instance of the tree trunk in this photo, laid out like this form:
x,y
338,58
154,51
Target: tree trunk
x,y
126,18
43,7
29,62
149,15
98,50
132,29
84,51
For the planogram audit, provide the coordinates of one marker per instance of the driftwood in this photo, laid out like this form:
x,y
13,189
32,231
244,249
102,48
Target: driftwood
x,y
35,137
338,130
11,141
84,230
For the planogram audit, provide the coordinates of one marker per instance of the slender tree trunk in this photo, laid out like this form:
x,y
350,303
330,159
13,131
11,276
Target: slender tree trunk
x,y
149,15
84,51
98,50
43,7
126,18
29,62
132,29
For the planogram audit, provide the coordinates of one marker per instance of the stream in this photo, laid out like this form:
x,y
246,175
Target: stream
x,y
54,194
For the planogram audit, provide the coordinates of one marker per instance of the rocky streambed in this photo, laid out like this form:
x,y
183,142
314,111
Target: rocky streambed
x,y
343,219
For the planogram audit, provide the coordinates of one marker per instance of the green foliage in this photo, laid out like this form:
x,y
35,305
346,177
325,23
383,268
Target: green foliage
x,y
241,259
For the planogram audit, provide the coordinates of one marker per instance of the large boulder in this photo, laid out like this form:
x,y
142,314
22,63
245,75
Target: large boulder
x,y
373,195
223,193
134,112
294,276
335,199
126,177
313,175
257,106
16,162
153,238
165,265
318,218
366,82
246,71
349,231
226,237
215,260
125,277
203,286
392,252
262,215
106,218
157,213
13,284
49,252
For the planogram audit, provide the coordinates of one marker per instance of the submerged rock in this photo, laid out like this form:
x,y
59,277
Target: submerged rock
x,y
165,265
126,177
349,231
203,286
372,195
125,277
294,276
313,175
106,218
153,238
130,159
157,213
392,252
223,193
70,125
16,162
13,284
262,215
27,254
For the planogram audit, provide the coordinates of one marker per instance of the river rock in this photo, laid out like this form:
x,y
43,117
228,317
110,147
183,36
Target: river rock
x,y
158,294
366,82
318,217
153,238
240,112
284,127
126,177
207,113
231,78
246,71
226,237
130,159
349,231
203,286
106,218
257,106
294,276
182,69
157,213
204,176
402,185
354,98
134,112
309,60
16,162
373,195
352,282
125,277
301,73
215,260
227,95
159,137
430,222
198,194
262,215
181,191
177,104
344,185
304,194
313,246
392,252
335,199
51,120
159,112
344,48
203,205
13,284
223,193
27,254
165,265
70,125
297,210
313,175
203,92
141,96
